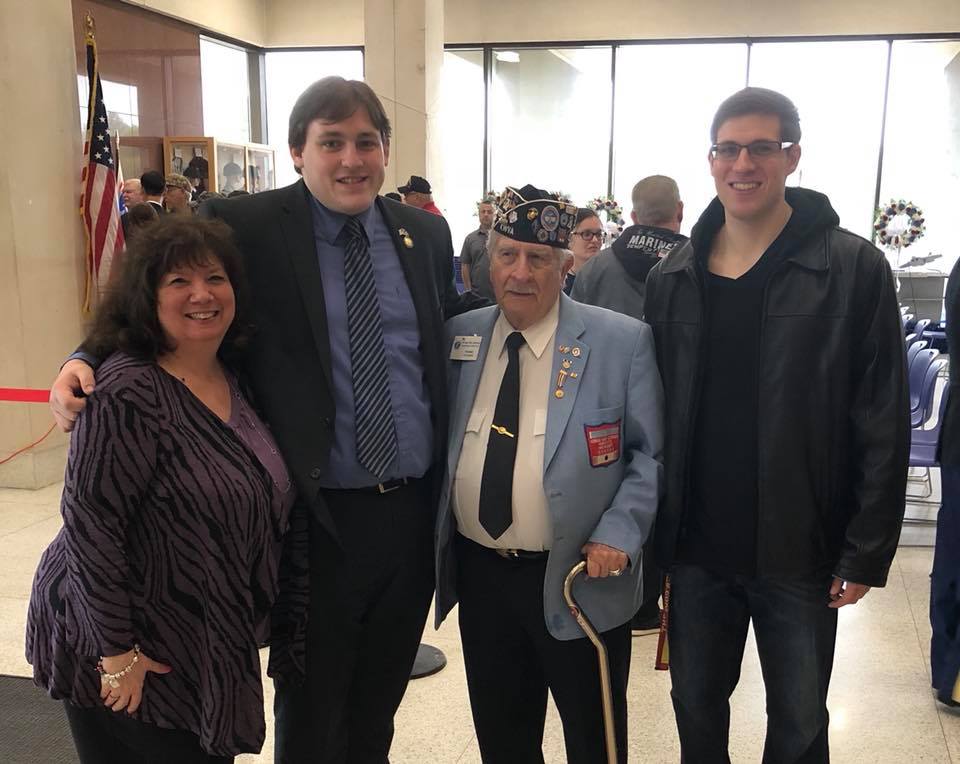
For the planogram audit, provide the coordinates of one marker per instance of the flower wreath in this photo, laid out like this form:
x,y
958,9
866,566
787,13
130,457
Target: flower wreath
x,y
613,210
898,237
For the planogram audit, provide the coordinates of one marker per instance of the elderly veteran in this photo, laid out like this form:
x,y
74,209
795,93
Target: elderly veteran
x,y
554,456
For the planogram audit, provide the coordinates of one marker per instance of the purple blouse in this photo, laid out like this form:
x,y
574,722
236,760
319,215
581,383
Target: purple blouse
x,y
173,524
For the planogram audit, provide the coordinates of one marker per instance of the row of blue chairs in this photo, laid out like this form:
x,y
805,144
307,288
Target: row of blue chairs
x,y
925,366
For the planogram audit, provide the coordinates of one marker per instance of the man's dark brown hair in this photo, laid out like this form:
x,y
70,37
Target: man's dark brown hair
x,y
333,99
759,101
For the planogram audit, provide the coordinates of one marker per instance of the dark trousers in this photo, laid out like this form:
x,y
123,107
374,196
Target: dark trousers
x,y
945,589
511,662
652,584
369,598
103,736
795,633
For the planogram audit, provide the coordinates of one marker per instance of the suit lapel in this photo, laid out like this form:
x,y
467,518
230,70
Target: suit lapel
x,y
575,353
296,222
466,391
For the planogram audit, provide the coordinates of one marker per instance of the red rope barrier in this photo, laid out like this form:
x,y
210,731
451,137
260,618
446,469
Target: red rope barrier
x,y
25,395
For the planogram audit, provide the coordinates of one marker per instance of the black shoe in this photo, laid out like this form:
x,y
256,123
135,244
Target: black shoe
x,y
641,625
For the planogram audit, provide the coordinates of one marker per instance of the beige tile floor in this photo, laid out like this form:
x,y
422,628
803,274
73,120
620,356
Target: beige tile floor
x,y
881,706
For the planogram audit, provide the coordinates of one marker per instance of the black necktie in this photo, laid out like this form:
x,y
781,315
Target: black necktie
x,y
376,432
496,486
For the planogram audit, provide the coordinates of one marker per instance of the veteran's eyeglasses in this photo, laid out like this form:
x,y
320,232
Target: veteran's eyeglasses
x,y
729,151
589,235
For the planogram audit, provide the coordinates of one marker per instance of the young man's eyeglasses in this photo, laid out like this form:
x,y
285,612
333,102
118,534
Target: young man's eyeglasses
x,y
729,151
589,235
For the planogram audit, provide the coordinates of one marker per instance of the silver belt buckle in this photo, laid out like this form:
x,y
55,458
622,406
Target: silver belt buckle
x,y
510,554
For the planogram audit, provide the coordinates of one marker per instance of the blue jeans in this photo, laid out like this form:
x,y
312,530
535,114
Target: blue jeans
x,y
795,633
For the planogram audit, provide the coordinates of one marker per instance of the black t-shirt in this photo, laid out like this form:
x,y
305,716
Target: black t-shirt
x,y
720,528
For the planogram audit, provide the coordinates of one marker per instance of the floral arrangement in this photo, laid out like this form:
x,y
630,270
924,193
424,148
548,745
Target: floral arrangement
x,y
614,212
889,229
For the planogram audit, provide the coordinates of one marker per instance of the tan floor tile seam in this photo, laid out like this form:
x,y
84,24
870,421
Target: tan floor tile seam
x,y
26,527
470,742
920,641
913,617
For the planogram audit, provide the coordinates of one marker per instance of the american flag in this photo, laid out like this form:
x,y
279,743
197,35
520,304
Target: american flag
x,y
98,195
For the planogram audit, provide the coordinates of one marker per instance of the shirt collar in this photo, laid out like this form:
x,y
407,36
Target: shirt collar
x,y
328,224
537,336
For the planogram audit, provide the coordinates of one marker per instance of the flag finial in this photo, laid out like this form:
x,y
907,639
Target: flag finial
x,y
90,28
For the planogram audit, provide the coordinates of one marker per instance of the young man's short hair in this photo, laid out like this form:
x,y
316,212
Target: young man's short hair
x,y
759,101
333,99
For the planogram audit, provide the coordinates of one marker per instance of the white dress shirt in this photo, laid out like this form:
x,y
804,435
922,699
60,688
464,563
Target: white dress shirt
x,y
532,528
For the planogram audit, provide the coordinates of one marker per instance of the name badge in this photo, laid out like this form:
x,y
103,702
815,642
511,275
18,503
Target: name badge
x,y
466,347
603,443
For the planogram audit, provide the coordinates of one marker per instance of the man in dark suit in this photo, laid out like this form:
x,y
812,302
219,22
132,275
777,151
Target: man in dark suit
x,y
350,292
945,579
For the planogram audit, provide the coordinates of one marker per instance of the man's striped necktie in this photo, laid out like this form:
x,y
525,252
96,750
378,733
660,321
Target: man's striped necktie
x,y
376,431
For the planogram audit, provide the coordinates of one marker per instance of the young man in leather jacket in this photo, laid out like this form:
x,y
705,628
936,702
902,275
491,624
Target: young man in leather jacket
x,y
787,435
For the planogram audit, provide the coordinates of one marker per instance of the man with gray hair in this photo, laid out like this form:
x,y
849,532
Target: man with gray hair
x,y
616,278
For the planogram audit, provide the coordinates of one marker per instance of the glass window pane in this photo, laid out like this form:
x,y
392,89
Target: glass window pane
x,y
458,176
550,120
921,153
666,130
226,91
838,89
287,75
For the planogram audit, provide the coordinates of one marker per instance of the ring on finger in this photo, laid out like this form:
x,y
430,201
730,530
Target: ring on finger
x,y
616,572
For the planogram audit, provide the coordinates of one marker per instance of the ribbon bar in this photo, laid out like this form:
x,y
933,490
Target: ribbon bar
x,y
24,395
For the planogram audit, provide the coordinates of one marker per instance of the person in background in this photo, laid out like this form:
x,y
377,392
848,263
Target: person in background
x,y
393,195
945,580
616,278
177,194
138,217
132,192
474,260
153,184
417,193
585,242
149,607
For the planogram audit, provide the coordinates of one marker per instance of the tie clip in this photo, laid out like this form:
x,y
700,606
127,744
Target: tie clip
x,y
500,429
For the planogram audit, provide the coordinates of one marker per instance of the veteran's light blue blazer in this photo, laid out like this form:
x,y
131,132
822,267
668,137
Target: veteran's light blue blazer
x,y
617,382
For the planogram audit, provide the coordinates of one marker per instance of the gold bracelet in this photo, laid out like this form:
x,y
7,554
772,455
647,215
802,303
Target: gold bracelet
x,y
114,679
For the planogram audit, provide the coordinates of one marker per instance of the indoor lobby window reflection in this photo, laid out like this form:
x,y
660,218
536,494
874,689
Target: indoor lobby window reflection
x,y
287,75
550,120
921,152
121,100
226,91
456,173
838,88
665,100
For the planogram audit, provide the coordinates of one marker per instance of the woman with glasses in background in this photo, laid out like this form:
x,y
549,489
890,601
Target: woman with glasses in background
x,y
585,241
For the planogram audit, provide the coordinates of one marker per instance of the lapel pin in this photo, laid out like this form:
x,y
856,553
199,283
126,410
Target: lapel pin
x,y
575,352
558,393
567,363
407,241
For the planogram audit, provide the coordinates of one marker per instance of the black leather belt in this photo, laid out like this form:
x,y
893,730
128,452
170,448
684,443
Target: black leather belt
x,y
521,554
507,554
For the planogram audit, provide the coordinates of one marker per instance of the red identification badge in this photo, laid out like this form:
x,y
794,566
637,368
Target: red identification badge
x,y
603,443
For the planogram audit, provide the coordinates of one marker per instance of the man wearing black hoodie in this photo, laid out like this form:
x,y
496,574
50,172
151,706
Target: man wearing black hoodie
x,y
787,435
616,277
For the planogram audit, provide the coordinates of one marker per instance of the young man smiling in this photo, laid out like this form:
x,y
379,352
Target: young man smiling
x,y
779,342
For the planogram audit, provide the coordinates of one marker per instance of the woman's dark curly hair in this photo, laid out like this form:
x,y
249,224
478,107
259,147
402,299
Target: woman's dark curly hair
x,y
127,318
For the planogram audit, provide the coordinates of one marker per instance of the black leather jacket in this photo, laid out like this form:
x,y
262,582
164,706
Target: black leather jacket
x,y
834,432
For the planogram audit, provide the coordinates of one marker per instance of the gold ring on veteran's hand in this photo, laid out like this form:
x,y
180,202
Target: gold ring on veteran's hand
x,y
616,572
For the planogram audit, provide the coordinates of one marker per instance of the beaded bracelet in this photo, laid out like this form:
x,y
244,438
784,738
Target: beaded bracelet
x,y
114,679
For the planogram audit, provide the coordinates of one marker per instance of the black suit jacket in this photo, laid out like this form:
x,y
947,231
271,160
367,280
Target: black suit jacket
x,y
288,365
